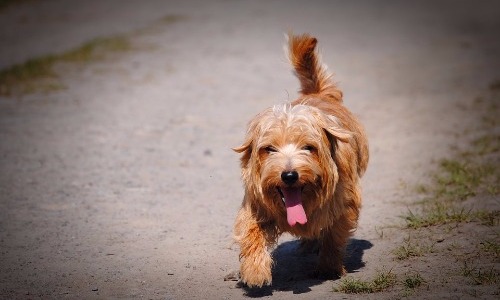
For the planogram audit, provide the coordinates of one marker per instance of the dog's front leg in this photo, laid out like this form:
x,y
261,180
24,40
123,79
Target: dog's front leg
x,y
254,240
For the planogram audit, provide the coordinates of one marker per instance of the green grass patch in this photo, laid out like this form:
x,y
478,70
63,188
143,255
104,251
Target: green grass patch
x,y
382,281
459,179
38,74
23,75
439,214
411,249
350,285
413,281
96,49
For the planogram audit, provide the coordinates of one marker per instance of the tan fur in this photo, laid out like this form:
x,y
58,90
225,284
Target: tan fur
x,y
319,138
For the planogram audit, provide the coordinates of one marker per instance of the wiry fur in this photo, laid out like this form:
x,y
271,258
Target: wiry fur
x,y
319,138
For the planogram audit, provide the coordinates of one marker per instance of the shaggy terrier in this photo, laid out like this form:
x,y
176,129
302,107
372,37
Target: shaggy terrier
x,y
301,167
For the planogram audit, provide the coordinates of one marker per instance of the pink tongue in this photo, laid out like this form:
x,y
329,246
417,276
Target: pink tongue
x,y
294,210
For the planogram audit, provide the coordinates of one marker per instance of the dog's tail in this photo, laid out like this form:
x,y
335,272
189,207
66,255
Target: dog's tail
x,y
313,76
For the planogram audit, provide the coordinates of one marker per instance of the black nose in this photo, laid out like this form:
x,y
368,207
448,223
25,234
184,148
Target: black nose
x,y
289,177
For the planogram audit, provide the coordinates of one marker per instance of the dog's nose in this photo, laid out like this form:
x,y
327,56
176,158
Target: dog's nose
x,y
289,177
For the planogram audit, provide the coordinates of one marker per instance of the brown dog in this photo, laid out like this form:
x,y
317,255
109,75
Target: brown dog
x,y
301,167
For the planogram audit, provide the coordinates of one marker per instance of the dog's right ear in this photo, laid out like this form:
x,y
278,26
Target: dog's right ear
x,y
246,149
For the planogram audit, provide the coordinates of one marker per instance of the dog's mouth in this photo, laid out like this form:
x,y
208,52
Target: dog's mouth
x,y
292,198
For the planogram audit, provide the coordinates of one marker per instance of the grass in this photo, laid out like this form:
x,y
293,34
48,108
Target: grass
x,y
486,144
96,49
491,247
464,189
413,281
436,214
38,74
350,285
487,218
475,172
480,276
459,179
410,249
472,173
23,75
439,214
382,281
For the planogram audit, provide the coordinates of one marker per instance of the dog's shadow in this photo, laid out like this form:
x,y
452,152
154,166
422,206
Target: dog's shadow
x,y
294,270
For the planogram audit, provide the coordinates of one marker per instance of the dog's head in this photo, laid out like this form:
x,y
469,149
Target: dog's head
x,y
288,160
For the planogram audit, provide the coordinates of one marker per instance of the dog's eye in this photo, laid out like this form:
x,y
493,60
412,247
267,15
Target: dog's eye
x,y
270,149
308,148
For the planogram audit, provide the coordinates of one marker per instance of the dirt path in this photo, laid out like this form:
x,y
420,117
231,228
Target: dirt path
x,y
123,185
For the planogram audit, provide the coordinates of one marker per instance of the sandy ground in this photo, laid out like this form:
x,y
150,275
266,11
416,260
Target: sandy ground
x,y
123,185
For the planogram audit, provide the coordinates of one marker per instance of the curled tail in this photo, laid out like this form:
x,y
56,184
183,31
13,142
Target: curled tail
x,y
313,76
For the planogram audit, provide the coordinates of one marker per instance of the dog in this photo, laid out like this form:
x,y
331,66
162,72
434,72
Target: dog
x,y
301,165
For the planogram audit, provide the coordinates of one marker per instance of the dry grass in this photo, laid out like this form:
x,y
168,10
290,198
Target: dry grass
x,y
382,281
480,276
411,249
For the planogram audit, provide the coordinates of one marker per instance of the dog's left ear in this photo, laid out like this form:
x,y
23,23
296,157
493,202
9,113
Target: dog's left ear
x,y
335,136
331,126
339,134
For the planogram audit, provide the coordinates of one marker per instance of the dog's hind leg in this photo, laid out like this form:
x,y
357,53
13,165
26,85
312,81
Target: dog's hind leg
x,y
308,246
331,253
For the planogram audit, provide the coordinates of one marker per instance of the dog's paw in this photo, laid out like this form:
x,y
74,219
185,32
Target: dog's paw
x,y
256,280
255,274
329,274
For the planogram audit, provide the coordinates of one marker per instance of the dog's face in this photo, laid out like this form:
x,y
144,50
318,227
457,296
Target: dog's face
x,y
288,160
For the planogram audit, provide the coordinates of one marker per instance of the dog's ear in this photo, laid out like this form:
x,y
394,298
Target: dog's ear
x,y
332,127
246,149
339,134
247,145
335,133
